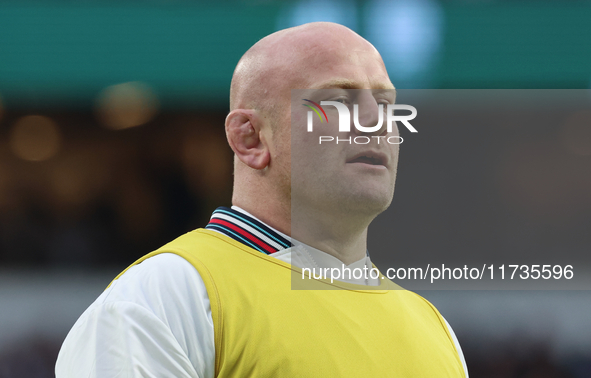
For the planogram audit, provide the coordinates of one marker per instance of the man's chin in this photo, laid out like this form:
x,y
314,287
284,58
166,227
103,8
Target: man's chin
x,y
347,200
368,204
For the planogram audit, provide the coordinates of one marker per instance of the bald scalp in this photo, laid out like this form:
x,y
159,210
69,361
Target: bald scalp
x,y
283,61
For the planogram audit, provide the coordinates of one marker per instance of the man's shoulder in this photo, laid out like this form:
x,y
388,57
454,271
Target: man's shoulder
x,y
210,250
420,301
168,266
163,275
174,271
156,312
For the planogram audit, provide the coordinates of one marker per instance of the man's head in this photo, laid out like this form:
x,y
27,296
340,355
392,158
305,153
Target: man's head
x,y
313,56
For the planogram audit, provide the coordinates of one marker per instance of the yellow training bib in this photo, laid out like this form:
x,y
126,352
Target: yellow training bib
x,y
263,328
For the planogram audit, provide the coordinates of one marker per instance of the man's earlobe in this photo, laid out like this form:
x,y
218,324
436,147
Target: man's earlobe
x,y
244,136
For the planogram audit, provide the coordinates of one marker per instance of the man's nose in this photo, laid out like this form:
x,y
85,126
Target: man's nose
x,y
369,114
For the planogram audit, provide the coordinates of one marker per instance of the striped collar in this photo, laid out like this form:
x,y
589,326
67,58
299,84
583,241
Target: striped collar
x,y
247,230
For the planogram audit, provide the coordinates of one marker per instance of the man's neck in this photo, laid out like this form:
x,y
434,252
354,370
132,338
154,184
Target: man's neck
x,y
343,238
340,237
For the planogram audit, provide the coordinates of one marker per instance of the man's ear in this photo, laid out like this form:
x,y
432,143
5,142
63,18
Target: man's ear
x,y
243,129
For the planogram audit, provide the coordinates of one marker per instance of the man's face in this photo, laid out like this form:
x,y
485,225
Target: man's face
x,y
346,177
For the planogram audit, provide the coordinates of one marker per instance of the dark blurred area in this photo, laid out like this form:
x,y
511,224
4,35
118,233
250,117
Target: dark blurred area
x,y
76,193
112,143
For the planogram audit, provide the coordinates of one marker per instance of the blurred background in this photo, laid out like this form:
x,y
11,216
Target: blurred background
x,y
112,143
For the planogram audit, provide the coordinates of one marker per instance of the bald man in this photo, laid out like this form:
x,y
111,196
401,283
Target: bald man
x,y
218,302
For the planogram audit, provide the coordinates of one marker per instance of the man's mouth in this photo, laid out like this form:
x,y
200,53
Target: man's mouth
x,y
370,158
